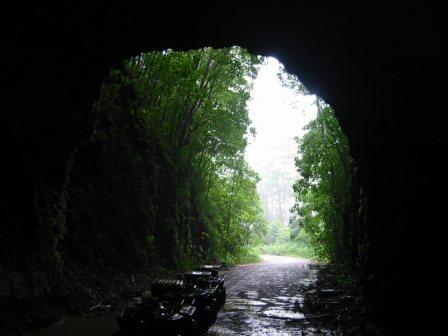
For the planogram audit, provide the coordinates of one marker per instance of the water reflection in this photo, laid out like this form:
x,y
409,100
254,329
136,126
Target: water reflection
x,y
263,299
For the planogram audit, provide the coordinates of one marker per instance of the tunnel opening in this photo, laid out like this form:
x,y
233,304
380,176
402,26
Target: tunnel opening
x,y
175,153
379,68
163,182
170,177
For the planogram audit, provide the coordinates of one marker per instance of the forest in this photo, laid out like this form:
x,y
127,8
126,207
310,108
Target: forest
x,y
328,198
168,156
163,184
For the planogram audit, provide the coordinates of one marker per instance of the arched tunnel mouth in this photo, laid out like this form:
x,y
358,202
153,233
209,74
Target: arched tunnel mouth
x,y
207,156
60,204
163,107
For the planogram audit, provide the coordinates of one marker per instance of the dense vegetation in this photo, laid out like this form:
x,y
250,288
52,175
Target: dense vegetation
x,y
322,193
163,181
281,239
327,196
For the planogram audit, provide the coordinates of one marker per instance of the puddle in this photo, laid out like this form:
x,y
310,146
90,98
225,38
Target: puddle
x,y
265,302
282,314
274,302
243,304
290,299
315,331
252,294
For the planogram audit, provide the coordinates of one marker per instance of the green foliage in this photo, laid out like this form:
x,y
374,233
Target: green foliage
x,y
324,199
282,240
277,233
251,255
239,218
167,182
289,248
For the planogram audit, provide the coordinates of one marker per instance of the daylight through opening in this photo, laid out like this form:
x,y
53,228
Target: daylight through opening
x,y
231,157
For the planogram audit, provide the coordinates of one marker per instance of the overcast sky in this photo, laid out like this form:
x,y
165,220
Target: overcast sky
x,y
278,114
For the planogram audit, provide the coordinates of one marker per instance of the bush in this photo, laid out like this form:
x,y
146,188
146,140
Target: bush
x,y
291,248
251,256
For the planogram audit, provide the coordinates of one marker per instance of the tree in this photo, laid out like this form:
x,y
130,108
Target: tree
x,y
170,138
324,195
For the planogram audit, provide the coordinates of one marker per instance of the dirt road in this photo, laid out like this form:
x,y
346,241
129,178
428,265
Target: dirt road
x,y
266,299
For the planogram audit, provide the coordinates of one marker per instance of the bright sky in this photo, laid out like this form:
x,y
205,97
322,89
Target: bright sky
x,y
278,114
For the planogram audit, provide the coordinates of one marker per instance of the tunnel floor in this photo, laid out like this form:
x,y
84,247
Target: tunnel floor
x,y
266,298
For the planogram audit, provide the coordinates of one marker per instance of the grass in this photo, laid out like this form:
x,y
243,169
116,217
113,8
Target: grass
x,y
291,249
252,256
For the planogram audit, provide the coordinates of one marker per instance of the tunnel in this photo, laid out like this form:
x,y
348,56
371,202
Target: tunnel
x,y
379,66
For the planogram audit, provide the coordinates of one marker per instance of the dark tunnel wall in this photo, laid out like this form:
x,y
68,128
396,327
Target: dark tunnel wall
x,y
379,67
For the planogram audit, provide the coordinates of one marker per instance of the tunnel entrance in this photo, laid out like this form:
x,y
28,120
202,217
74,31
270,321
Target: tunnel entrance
x,y
217,155
63,221
171,176
210,154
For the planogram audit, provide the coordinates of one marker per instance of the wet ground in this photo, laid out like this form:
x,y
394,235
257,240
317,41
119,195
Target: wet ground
x,y
262,299
267,299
